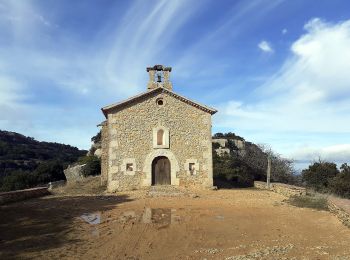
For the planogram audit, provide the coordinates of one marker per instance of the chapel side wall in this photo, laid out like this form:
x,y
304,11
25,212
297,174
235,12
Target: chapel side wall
x,y
190,140
104,155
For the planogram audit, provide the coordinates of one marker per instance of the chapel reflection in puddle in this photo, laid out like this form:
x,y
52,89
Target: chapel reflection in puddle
x,y
161,216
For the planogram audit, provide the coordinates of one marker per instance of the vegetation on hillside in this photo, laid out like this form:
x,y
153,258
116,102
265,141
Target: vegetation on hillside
x,y
325,177
25,162
92,165
242,166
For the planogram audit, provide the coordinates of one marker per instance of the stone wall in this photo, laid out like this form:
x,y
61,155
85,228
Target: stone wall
x,y
18,195
339,210
130,139
104,154
56,184
281,188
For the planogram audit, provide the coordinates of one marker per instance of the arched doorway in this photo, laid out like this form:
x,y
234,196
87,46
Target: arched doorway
x,y
161,171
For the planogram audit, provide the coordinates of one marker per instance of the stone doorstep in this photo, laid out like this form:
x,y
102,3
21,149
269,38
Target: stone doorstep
x,y
168,191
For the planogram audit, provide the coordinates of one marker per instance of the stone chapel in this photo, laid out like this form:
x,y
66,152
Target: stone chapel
x,y
156,138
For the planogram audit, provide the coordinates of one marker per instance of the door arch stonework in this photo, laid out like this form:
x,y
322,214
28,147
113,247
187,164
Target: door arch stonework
x,y
147,168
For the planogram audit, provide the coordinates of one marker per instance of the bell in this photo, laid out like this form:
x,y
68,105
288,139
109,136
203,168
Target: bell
x,y
159,78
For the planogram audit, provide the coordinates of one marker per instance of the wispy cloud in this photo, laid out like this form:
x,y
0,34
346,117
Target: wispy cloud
x,y
110,66
265,46
336,153
309,94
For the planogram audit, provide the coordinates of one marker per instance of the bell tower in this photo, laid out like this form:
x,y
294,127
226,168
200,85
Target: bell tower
x,y
159,77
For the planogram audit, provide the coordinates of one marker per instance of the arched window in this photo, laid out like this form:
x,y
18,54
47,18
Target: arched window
x,y
160,137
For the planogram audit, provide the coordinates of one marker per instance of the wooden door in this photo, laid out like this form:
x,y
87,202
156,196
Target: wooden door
x,y
161,171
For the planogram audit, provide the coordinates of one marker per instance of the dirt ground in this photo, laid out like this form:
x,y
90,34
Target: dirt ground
x,y
223,224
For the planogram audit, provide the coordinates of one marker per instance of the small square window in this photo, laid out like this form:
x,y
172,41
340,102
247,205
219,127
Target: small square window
x,y
129,167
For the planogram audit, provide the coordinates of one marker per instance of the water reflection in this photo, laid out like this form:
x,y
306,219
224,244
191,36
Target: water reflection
x,y
161,216
92,218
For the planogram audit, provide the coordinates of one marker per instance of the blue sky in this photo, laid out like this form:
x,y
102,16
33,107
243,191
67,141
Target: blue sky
x,y
277,71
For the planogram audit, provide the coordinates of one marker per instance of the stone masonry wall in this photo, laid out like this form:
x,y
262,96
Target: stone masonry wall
x,y
104,154
284,189
130,137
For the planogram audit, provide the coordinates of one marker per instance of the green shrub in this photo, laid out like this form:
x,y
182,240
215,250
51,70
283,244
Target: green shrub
x,y
44,173
340,184
93,165
319,175
49,171
18,180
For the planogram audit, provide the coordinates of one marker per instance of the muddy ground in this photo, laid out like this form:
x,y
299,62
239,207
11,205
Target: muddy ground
x,y
223,224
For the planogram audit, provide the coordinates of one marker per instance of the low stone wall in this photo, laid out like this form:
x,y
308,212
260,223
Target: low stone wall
x,y
341,213
56,184
12,196
281,188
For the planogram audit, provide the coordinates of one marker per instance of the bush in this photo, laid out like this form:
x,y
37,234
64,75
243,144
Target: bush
x,y
340,184
231,169
44,173
92,167
49,171
319,175
18,180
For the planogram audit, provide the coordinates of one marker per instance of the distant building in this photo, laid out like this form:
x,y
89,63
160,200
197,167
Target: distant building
x,y
157,138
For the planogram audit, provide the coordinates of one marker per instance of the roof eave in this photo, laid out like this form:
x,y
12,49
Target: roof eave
x,y
209,110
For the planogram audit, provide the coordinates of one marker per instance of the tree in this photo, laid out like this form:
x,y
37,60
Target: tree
x,y
92,165
340,184
282,169
319,175
49,171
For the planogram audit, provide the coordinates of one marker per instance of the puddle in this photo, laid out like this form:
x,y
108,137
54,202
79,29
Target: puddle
x,y
92,218
160,216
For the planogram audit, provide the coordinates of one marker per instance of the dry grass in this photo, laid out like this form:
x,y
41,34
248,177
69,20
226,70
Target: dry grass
x,y
87,186
313,201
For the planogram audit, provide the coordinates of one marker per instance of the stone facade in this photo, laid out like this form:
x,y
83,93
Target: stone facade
x,y
129,140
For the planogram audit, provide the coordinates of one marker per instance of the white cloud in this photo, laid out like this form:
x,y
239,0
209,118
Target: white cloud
x,y
110,66
309,94
284,31
337,153
265,46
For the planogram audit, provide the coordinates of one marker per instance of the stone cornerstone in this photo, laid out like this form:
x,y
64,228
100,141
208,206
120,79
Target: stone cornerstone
x,y
156,138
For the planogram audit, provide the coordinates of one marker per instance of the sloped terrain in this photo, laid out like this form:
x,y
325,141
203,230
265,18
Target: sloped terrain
x,y
18,152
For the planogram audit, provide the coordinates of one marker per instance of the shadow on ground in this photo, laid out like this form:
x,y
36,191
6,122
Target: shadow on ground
x,y
44,223
224,184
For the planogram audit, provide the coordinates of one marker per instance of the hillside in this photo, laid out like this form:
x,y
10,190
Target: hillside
x,y
239,162
22,154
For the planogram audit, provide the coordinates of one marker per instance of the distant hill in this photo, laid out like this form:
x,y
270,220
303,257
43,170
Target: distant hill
x,y
239,162
19,153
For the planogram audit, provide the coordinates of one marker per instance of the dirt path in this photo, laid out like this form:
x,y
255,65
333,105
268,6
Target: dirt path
x,y
224,224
